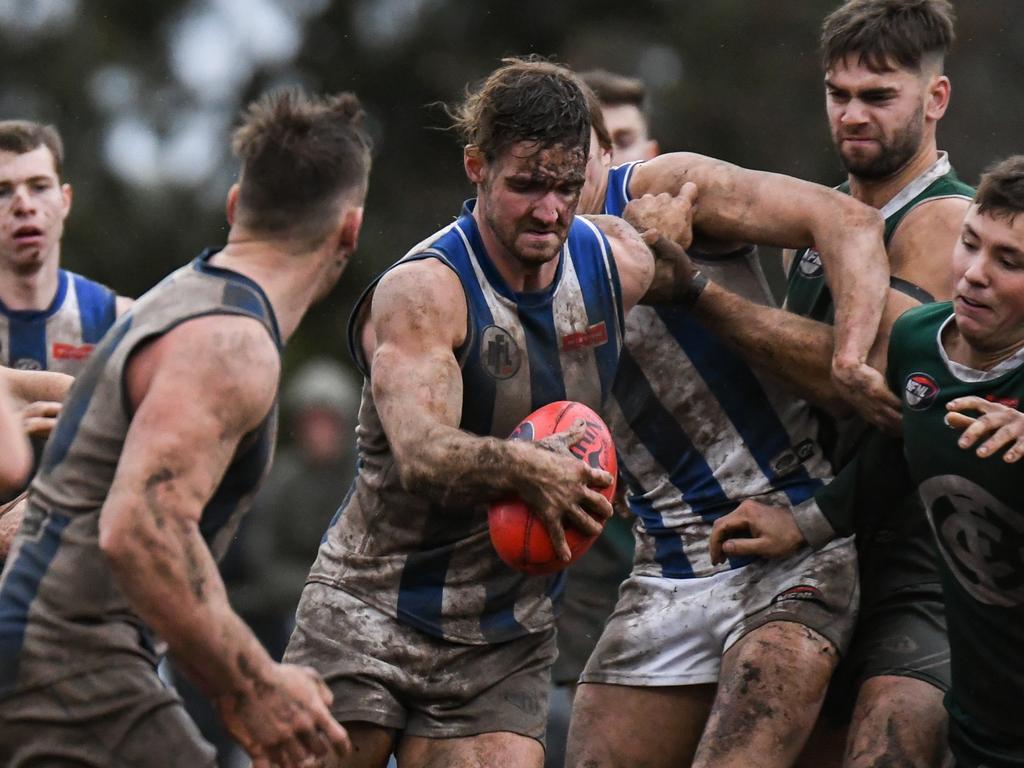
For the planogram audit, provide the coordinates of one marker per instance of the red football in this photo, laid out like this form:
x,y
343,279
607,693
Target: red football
x,y
518,535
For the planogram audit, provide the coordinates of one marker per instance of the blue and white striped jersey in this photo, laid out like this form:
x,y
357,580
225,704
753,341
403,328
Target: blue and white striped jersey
x,y
433,566
61,337
697,430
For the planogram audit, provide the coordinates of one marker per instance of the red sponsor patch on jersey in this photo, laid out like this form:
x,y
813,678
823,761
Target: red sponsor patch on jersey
x,y
71,351
594,336
1009,402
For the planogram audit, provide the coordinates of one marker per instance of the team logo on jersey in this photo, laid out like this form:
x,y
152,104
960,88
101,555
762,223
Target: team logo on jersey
x,y
71,351
810,264
499,353
920,391
594,336
980,538
800,592
27,364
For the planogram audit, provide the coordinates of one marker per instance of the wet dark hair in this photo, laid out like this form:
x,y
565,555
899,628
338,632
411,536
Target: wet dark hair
x,y
526,99
883,32
1001,189
300,154
21,136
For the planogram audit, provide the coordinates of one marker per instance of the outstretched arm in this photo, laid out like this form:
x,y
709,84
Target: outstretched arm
x,y
196,392
740,205
419,318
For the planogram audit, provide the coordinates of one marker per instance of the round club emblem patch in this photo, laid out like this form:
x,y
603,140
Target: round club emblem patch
x,y
920,391
980,537
499,353
810,264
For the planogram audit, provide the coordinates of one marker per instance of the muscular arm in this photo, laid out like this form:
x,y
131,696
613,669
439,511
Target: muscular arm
x,y
419,317
740,205
196,391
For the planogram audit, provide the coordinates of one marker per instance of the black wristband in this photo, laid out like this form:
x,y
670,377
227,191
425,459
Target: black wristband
x,y
688,297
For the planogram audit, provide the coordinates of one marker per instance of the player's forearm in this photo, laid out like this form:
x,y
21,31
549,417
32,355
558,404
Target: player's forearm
x,y
857,269
792,348
454,467
164,569
15,453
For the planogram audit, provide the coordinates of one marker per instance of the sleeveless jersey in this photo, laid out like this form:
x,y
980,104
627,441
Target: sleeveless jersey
x,y
697,430
60,611
60,337
433,566
975,509
808,294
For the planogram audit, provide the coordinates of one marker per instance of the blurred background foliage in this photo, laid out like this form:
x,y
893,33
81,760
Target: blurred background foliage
x,y
145,94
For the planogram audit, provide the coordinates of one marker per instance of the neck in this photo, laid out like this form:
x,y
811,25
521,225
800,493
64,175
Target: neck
x,y
31,289
878,192
290,280
519,277
960,350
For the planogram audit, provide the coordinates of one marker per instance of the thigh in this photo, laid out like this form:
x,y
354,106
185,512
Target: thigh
x,y
901,636
363,655
480,689
897,721
509,750
618,726
772,686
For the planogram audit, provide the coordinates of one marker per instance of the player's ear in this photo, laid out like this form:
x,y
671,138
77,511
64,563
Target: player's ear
x,y
66,194
231,204
348,231
938,97
475,164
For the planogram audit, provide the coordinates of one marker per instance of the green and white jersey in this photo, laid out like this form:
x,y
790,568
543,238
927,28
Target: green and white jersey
x,y
976,510
807,293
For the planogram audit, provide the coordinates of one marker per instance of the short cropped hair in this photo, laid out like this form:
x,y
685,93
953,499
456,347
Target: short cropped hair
x,y
614,89
1001,189
883,32
21,136
300,155
526,99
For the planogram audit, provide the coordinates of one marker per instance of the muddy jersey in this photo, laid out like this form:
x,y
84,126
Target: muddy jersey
x,y
60,611
431,565
60,337
975,509
697,430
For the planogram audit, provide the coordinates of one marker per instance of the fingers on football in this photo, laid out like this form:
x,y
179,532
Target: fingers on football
x,y
557,534
599,509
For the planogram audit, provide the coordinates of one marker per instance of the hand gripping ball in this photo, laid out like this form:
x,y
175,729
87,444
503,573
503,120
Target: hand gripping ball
x,y
518,535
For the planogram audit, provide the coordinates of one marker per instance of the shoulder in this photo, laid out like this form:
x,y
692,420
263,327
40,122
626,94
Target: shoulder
x,y
424,297
925,318
223,361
